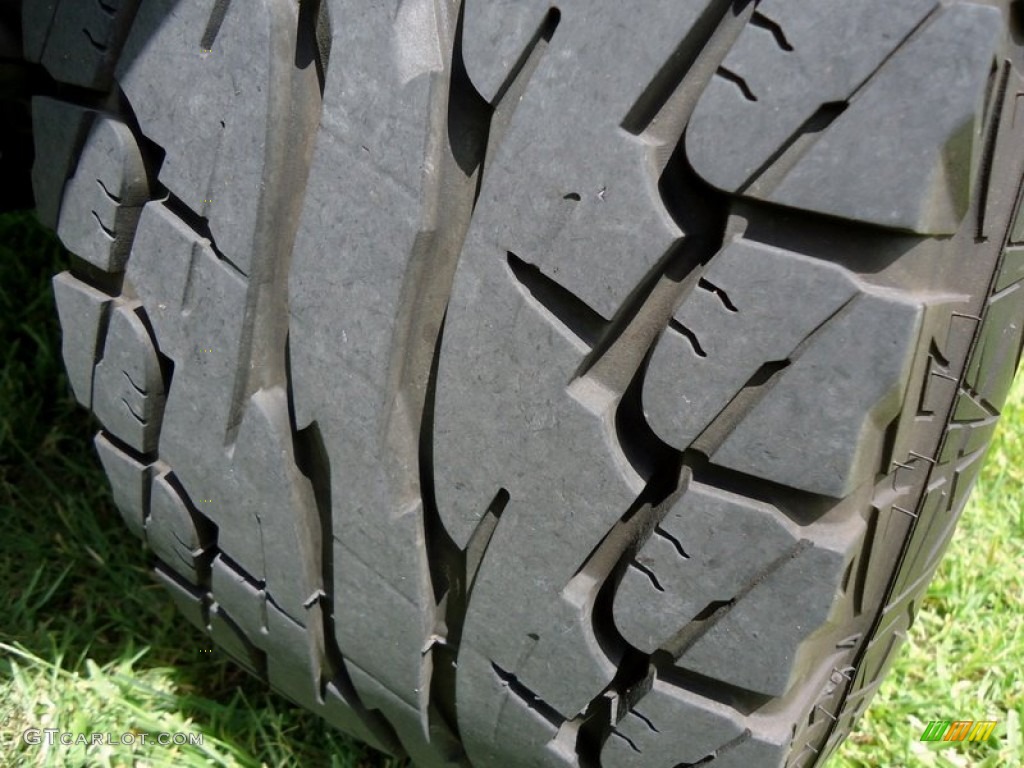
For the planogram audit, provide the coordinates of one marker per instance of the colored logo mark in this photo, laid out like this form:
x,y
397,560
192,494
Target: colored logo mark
x,y
958,730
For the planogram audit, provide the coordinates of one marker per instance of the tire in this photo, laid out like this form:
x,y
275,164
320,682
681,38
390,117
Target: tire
x,y
522,386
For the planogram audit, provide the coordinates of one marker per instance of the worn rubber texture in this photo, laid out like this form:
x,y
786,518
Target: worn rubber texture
x,y
528,386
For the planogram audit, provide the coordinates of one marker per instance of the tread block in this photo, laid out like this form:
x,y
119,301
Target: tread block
x,y
722,574
295,666
909,169
728,540
84,38
195,303
842,357
293,658
776,299
188,292
128,388
190,601
129,481
83,312
226,634
358,588
244,601
830,407
177,535
103,199
757,643
565,489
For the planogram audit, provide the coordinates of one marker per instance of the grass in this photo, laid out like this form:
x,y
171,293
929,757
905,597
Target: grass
x,y
88,643
964,657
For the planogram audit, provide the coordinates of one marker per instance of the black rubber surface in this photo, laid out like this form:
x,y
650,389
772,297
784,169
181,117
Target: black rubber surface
x,y
519,385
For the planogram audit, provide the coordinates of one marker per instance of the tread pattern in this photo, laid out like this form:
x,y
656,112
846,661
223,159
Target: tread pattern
x,y
104,196
458,440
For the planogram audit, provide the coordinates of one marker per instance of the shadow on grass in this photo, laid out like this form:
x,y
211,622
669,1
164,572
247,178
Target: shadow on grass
x,y
74,583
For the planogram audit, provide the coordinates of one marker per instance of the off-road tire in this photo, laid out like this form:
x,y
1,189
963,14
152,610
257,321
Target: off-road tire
x,y
529,386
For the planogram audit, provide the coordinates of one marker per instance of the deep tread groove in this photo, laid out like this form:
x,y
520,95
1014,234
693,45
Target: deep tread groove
x,y
676,544
310,42
217,14
782,160
738,81
201,225
651,457
988,151
802,507
464,130
101,47
681,64
689,335
481,538
290,138
759,384
125,448
764,22
571,311
743,701
648,573
716,611
108,232
707,285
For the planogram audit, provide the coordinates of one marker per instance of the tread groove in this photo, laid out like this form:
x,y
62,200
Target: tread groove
x,y
572,312
463,131
313,38
737,80
213,24
294,104
689,335
715,611
759,19
988,151
692,62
